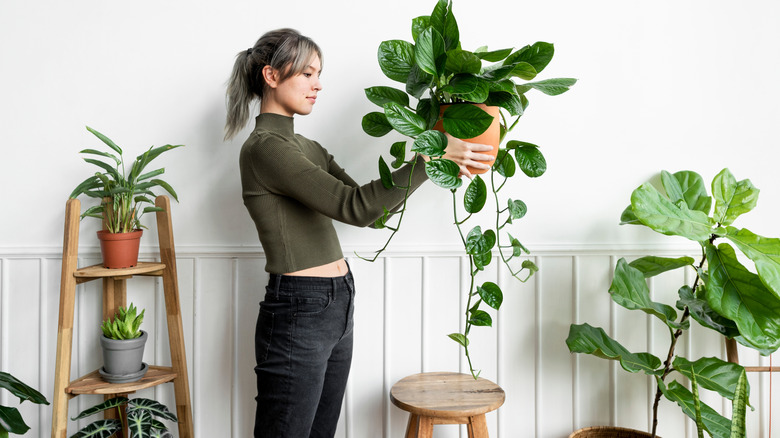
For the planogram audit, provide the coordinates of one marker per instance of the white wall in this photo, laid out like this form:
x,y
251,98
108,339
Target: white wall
x,y
662,85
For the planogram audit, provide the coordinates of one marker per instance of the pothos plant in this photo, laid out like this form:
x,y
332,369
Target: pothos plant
x,y
435,71
725,296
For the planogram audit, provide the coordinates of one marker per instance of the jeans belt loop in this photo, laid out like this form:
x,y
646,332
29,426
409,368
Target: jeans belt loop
x,y
277,282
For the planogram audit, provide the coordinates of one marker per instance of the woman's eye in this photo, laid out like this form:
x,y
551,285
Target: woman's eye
x,y
308,75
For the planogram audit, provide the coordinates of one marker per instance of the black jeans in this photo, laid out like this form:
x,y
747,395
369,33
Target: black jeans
x,y
303,348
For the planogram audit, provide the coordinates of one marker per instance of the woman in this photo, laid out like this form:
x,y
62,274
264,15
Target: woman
x,y
293,190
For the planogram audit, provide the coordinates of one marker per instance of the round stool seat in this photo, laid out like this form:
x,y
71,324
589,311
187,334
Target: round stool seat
x,y
446,398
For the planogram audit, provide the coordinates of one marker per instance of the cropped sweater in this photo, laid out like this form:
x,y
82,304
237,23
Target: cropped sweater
x,y
293,190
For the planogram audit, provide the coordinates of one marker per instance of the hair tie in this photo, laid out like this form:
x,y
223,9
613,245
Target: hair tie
x,y
249,51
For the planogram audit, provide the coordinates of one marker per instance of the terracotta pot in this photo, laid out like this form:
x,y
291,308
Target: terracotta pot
x,y
120,250
491,136
609,432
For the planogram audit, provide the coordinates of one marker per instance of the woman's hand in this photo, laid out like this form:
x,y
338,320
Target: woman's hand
x,y
466,154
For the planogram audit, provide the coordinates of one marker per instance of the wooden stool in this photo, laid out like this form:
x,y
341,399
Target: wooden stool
x,y
446,398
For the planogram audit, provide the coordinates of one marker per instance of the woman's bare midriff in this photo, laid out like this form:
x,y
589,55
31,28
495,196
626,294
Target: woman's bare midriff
x,y
333,269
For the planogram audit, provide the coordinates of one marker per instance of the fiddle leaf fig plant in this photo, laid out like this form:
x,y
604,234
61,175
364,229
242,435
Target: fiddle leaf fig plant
x,y
726,296
122,193
442,87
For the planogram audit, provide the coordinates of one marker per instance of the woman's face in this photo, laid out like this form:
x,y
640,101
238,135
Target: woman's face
x,y
295,95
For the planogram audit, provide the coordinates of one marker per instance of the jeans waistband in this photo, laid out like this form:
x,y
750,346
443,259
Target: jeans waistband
x,y
294,282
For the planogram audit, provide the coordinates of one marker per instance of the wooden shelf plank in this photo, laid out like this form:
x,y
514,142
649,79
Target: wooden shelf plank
x,y
98,271
93,383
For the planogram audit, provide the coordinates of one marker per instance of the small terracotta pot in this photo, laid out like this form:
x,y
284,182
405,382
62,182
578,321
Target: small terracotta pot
x,y
120,250
492,136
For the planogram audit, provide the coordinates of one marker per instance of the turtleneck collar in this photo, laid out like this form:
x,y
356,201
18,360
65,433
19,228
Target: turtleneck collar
x,y
276,123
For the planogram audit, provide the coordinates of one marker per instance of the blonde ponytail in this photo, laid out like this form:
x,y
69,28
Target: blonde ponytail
x,y
285,50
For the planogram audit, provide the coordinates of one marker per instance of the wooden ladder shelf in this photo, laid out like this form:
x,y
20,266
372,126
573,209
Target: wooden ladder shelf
x,y
115,296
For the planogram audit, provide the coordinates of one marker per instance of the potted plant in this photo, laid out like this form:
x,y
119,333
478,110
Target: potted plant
x,y
122,196
138,415
123,344
725,296
11,420
467,93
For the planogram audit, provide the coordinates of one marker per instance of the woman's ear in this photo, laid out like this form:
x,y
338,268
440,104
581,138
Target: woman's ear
x,y
271,76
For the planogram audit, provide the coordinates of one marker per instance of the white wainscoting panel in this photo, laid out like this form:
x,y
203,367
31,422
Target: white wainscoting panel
x,y
407,302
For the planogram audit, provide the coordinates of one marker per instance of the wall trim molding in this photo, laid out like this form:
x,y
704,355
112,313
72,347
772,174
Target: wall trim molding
x,y
351,251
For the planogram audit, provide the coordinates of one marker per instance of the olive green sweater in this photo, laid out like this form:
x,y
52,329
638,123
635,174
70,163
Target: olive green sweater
x,y
293,189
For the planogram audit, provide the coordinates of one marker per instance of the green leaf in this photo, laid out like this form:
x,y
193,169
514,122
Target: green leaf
x,y
482,260
475,196
444,22
689,187
517,208
462,61
99,429
418,81
382,95
538,55
396,58
508,101
398,151
498,72
106,140
11,421
517,248
663,216
430,143
524,70
443,173
491,294
628,217
629,289
466,121
531,266
480,318
529,158
732,198
154,407
429,52
740,296
651,266
428,109
375,124
419,24
108,404
738,410
504,164
583,338
712,373
404,120
763,251
492,56
717,425
704,314
116,159
139,422
460,339
19,389
552,87
468,87
478,242
385,175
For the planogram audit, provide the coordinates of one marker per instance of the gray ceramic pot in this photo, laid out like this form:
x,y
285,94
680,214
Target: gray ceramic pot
x,y
123,359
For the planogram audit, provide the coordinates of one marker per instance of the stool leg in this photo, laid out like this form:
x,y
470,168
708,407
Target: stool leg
x,y
425,429
478,427
411,428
